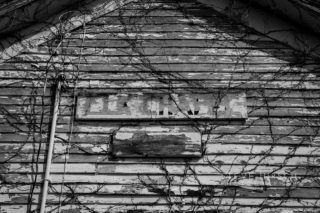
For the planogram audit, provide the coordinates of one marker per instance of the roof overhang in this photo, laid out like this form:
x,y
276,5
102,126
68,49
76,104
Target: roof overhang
x,y
304,13
18,14
245,11
272,24
60,24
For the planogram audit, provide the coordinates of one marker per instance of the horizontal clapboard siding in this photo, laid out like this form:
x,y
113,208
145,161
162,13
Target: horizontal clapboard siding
x,y
267,163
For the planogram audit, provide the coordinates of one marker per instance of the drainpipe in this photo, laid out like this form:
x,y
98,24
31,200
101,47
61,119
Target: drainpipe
x,y
46,179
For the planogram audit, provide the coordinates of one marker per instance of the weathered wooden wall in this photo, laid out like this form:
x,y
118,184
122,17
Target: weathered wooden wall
x,y
270,163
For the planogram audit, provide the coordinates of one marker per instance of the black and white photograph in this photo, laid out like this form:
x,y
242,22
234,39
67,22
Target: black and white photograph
x,y
159,106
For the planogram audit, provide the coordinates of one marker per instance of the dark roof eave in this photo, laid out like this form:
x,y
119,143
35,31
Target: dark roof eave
x,y
32,36
300,12
19,14
269,24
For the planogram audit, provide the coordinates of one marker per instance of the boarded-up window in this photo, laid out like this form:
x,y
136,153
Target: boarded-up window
x,y
157,141
161,106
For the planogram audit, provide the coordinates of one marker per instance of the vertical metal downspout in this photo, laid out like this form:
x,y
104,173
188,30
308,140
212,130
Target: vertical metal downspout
x,y
46,179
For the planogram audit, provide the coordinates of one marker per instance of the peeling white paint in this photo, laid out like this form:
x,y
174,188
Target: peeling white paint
x,y
112,102
139,84
125,136
192,20
100,148
96,105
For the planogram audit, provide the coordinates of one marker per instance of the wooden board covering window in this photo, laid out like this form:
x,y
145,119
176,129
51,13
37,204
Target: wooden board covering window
x,y
157,141
162,106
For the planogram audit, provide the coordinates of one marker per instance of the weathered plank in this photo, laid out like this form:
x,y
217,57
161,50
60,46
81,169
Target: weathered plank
x,y
154,200
156,208
228,201
160,13
209,129
252,102
280,69
177,84
244,181
149,51
158,74
9,149
296,172
154,75
263,119
251,93
158,20
214,160
301,117
169,59
140,189
150,40
179,28
164,83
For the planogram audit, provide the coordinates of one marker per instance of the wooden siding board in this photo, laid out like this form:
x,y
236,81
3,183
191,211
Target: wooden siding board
x,y
159,180
170,50
159,13
162,84
211,149
178,191
216,160
159,169
252,102
265,93
179,76
101,128
149,200
218,71
211,180
150,19
149,209
150,40
127,59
